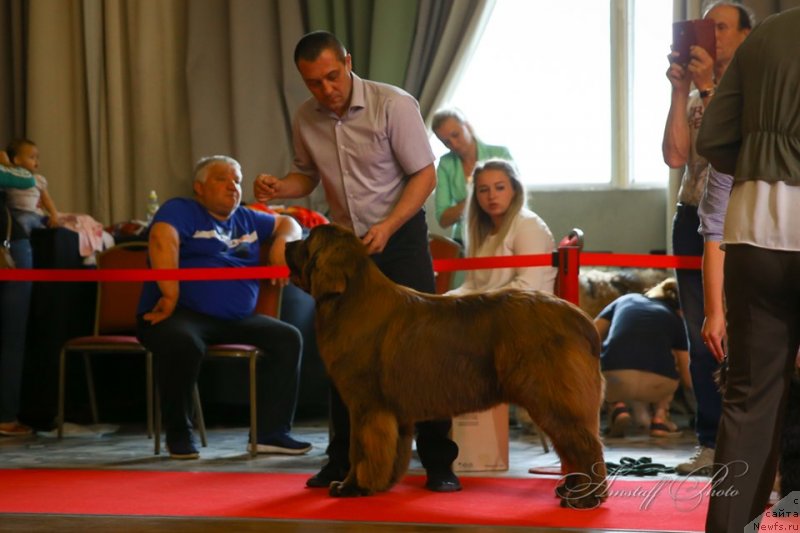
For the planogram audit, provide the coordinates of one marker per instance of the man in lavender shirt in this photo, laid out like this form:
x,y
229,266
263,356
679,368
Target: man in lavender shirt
x,y
366,142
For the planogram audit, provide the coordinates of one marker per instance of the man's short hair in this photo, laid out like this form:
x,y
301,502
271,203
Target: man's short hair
x,y
201,166
747,18
312,44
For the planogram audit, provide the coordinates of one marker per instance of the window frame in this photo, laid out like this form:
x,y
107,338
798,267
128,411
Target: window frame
x,y
621,63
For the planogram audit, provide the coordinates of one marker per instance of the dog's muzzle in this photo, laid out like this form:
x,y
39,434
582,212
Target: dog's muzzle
x,y
294,254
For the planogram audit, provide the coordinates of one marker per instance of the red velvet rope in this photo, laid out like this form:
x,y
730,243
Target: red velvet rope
x,y
642,260
439,265
134,274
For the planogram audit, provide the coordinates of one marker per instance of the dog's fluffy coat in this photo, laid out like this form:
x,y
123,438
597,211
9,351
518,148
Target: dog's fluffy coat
x,y
398,356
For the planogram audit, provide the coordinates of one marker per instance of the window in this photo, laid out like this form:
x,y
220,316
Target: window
x,y
576,90
650,94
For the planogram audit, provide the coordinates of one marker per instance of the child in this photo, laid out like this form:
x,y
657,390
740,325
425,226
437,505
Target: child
x,y
26,204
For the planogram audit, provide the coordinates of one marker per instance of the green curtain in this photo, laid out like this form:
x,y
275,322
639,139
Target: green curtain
x,y
378,33
13,20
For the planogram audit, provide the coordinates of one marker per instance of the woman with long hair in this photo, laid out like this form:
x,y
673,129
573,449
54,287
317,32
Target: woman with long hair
x,y
499,224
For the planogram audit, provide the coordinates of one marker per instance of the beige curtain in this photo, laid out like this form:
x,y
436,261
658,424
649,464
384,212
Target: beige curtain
x,y
377,33
242,85
106,104
459,37
12,53
421,45
122,96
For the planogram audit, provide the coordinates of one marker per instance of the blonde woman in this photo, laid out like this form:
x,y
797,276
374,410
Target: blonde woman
x,y
499,224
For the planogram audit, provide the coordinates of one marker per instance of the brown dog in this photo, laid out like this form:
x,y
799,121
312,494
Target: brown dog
x,y
398,356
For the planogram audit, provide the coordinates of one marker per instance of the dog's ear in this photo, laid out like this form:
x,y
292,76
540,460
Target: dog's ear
x,y
326,281
332,261
296,255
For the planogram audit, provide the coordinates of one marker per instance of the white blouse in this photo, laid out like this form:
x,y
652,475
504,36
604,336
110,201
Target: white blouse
x,y
528,235
765,215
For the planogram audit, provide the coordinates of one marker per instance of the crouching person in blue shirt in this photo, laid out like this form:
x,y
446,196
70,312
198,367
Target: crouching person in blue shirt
x,y
178,320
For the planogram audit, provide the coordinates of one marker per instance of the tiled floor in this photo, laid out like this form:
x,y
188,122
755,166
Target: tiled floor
x,y
129,448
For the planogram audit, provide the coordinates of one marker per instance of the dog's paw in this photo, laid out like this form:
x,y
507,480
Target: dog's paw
x,y
584,495
342,489
583,502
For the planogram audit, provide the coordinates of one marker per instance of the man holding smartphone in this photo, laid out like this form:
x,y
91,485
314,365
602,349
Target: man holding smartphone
x,y
733,23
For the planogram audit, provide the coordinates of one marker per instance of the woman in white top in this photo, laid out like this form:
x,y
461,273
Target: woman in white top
x,y
499,224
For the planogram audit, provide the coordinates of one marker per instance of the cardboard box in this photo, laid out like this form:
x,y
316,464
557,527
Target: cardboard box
x,y
482,440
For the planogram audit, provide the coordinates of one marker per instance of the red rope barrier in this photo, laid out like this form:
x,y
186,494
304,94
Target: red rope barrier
x,y
440,265
131,274
480,263
641,260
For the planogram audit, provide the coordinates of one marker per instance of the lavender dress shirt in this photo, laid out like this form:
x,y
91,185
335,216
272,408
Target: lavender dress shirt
x,y
364,157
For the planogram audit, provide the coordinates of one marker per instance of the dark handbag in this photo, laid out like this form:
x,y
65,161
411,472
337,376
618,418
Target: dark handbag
x,y
6,261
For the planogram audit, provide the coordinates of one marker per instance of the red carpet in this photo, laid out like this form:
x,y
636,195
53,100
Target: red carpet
x,y
635,505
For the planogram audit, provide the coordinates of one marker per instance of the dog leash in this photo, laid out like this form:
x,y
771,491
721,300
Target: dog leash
x,y
643,466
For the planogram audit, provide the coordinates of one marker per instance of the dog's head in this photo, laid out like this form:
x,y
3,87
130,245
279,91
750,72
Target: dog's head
x,y
325,261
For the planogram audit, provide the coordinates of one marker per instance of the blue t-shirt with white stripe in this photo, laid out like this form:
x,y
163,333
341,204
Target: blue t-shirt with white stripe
x,y
206,242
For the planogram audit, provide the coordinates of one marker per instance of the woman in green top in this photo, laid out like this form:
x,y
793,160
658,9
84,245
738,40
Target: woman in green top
x,y
455,168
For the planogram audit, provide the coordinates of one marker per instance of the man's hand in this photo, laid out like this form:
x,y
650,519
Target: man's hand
x,y
162,311
714,335
266,187
376,238
677,75
701,68
418,188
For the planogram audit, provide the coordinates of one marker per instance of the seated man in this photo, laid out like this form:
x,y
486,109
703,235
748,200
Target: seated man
x,y
178,320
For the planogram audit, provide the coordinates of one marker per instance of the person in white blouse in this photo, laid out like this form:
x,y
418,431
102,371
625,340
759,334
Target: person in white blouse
x,y
499,224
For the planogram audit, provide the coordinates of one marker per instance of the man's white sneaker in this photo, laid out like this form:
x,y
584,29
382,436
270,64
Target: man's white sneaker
x,y
700,464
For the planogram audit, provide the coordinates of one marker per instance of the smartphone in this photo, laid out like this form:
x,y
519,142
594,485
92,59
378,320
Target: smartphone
x,y
687,33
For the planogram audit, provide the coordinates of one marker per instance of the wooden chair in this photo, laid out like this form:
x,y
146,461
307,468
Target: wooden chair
x,y
114,333
443,248
114,329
